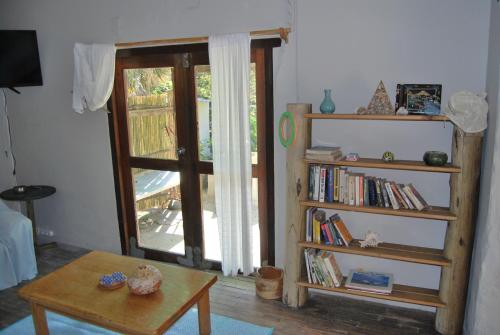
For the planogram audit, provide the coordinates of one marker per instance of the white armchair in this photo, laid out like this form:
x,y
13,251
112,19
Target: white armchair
x,y
17,253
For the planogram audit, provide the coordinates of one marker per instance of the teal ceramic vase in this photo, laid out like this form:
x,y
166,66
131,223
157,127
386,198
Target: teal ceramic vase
x,y
327,106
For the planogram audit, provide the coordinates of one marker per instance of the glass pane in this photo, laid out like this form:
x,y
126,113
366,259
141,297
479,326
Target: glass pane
x,y
203,81
210,226
158,210
151,113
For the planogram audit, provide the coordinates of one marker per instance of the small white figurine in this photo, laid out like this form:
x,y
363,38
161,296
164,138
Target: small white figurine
x,y
402,111
371,240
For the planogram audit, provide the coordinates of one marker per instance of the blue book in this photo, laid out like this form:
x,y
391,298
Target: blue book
x,y
329,189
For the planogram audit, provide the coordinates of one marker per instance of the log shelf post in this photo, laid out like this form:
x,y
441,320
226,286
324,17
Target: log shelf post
x,y
297,174
464,187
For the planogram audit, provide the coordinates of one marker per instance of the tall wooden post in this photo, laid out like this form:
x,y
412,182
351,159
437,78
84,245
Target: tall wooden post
x,y
297,175
466,153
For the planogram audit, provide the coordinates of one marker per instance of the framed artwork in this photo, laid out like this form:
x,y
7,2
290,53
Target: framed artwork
x,y
419,98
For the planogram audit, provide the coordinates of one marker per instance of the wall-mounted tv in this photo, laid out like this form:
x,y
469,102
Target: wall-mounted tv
x,y
19,59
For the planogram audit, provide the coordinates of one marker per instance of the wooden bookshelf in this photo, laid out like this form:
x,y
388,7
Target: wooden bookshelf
x,y
376,117
454,259
374,163
435,213
400,293
398,252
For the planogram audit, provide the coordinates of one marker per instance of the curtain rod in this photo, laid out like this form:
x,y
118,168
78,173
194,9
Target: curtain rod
x,y
282,32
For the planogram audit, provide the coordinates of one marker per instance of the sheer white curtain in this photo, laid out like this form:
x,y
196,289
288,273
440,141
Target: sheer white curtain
x,y
230,68
93,77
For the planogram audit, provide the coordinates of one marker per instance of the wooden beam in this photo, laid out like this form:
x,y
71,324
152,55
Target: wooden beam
x,y
466,153
296,170
282,32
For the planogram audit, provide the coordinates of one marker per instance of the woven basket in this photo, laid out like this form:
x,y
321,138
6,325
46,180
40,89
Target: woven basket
x,y
269,282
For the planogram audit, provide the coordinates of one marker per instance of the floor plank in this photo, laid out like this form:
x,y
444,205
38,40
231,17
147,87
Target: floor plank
x,y
235,297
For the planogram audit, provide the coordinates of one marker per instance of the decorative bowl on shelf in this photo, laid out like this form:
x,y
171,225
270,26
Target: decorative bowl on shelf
x,y
435,158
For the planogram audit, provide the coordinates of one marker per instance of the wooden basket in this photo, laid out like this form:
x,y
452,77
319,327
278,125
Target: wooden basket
x,y
269,282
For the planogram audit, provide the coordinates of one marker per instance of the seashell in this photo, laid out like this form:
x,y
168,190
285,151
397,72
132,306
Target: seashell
x,y
402,111
371,240
147,280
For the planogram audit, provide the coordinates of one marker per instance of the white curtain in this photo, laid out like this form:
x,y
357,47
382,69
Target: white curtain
x,y
230,68
93,77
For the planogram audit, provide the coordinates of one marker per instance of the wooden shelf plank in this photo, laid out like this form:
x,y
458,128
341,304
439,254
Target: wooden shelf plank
x,y
395,165
435,213
399,252
400,293
375,117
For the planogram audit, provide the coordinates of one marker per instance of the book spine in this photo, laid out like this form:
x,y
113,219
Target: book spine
x,y
346,188
405,197
336,170
394,202
387,202
331,181
356,190
341,185
361,190
366,197
317,169
322,183
399,197
419,197
380,199
310,189
352,190
372,192
309,278
413,198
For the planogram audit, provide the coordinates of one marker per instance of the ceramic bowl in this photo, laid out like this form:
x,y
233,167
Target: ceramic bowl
x,y
435,158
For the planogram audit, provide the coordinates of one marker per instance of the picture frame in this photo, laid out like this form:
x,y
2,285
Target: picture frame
x,y
423,99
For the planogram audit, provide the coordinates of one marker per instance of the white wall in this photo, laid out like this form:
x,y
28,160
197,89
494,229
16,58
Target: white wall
x,y
347,45
484,293
54,145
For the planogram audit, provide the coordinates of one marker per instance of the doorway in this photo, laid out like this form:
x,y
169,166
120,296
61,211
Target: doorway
x,y
161,132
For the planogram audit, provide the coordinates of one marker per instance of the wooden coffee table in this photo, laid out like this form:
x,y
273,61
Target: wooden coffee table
x,y
72,291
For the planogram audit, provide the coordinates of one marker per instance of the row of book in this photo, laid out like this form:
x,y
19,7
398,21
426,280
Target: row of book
x,y
330,183
330,231
323,269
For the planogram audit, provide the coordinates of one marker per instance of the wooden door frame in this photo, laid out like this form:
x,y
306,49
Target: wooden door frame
x,y
261,49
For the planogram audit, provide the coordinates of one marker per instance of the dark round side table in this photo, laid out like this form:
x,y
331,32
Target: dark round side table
x,y
29,194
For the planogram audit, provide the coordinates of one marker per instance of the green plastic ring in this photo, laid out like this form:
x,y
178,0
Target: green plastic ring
x,y
286,116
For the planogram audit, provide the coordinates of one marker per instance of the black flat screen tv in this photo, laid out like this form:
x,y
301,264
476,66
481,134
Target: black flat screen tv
x,y
19,59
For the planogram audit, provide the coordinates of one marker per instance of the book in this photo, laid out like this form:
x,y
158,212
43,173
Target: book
x,y
329,192
322,150
342,229
356,190
419,197
405,197
366,198
341,184
317,169
308,268
392,197
318,219
418,205
399,197
352,190
310,188
376,282
309,223
336,171
361,190
322,184
380,198
372,192
385,196
332,267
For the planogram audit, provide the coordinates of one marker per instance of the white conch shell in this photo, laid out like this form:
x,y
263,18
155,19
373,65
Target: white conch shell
x,y
371,240
402,111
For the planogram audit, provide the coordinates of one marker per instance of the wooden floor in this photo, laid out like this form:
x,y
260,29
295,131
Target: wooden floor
x,y
236,298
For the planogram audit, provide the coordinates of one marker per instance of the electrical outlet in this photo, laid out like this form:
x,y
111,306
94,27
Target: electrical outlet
x,y
44,232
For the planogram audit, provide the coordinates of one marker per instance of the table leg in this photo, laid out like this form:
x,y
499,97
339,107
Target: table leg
x,y
39,319
30,213
204,314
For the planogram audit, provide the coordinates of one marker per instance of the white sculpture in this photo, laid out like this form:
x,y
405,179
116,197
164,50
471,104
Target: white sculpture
x,y
371,240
